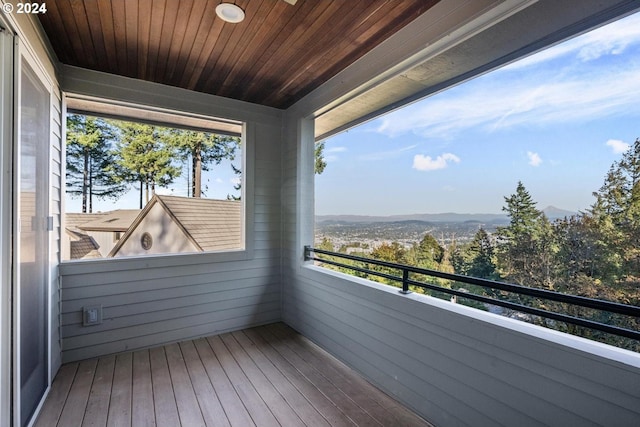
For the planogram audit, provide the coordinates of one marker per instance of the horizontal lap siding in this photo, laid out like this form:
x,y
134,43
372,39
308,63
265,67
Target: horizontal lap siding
x,y
147,304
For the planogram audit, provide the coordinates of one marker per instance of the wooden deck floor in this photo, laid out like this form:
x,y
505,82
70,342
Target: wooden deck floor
x,y
266,376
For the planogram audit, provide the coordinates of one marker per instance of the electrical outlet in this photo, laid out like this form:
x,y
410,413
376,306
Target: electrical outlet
x,y
91,315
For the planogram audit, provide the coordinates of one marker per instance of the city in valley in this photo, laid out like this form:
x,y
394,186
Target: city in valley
x,y
360,233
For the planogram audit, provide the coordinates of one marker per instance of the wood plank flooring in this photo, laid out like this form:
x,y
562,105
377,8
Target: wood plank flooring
x,y
265,376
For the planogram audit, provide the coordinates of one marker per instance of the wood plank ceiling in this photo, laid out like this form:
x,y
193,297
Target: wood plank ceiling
x,y
277,55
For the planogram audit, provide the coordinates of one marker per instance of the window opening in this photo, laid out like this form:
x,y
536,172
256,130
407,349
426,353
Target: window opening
x,y
142,187
526,175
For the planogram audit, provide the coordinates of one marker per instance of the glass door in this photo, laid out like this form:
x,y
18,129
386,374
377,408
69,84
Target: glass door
x,y
31,281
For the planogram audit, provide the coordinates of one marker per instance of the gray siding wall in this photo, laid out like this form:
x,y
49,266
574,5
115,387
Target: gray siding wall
x,y
460,367
148,305
55,210
149,301
454,365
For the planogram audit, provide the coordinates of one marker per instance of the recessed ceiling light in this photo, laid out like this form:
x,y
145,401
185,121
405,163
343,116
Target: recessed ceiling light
x,y
230,12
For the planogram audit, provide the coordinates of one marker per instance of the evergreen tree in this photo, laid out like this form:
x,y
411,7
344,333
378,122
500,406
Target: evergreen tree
x,y
204,149
583,250
428,253
617,211
146,157
89,158
481,255
527,249
320,162
238,186
521,210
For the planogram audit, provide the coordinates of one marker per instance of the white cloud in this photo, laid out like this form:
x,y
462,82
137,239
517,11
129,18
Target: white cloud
x,y
219,180
573,91
163,191
426,163
499,105
534,158
612,39
618,146
235,181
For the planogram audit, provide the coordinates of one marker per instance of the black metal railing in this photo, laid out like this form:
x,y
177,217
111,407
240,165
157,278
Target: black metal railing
x,y
311,254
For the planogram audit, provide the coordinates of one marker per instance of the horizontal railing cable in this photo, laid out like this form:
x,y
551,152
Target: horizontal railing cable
x,y
601,305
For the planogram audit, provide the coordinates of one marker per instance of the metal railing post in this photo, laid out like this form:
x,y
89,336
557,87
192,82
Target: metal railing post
x,y
405,282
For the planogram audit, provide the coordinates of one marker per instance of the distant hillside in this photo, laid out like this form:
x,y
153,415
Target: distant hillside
x,y
555,213
551,211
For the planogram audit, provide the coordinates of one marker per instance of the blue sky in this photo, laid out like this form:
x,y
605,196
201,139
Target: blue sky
x,y
556,121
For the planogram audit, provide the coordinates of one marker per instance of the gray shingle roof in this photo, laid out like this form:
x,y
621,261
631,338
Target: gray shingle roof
x,y
118,220
213,224
83,248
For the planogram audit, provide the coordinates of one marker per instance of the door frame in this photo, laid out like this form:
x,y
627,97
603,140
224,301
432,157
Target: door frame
x,y
7,60
23,53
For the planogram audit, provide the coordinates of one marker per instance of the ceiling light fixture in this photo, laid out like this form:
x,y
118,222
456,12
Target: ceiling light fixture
x,y
230,12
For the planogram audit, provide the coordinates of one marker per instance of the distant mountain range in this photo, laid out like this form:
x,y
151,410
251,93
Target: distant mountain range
x,y
550,211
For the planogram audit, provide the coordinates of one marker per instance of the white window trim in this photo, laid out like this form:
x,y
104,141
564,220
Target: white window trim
x,y
248,136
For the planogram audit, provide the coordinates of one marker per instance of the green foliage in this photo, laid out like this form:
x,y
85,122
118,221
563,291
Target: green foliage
x,y
527,249
428,253
390,252
320,162
146,156
203,149
617,211
89,156
105,157
476,259
238,187
594,254
325,245
521,210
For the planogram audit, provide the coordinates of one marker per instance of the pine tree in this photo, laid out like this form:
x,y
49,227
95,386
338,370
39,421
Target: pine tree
x,y
617,210
481,254
428,253
320,163
521,210
527,249
204,149
90,158
146,157
238,186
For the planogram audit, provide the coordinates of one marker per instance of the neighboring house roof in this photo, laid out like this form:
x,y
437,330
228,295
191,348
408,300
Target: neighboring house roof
x,y
73,220
118,220
210,224
83,246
